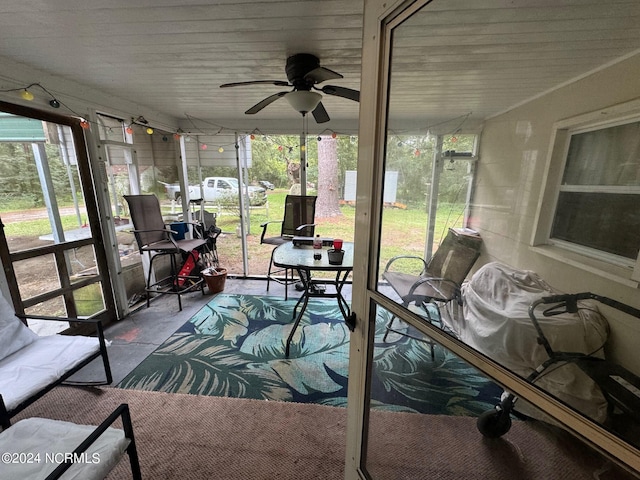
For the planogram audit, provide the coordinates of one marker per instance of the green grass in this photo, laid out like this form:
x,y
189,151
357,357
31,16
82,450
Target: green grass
x,y
403,231
35,228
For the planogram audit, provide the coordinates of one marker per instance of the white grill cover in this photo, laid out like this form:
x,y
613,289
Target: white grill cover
x,y
496,322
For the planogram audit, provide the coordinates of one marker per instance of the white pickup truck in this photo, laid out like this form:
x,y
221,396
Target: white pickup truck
x,y
224,191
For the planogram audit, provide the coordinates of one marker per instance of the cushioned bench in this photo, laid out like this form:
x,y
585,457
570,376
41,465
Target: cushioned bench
x,y
31,365
40,448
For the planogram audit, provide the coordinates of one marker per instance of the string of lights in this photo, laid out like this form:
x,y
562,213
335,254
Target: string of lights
x,y
25,92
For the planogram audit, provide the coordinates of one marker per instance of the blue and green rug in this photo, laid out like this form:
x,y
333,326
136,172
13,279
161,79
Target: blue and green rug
x,y
234,347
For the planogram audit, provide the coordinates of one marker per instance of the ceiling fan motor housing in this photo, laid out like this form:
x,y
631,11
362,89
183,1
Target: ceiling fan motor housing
x,y
298,67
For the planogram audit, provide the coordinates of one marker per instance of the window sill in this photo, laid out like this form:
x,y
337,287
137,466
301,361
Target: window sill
x,y
603,269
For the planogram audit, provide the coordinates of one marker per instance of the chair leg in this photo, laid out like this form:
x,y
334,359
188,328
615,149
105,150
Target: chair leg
x,y
270,268
388,328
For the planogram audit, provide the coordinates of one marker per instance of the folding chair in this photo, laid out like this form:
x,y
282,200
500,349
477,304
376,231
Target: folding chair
x,y
299,214
157,239
439,280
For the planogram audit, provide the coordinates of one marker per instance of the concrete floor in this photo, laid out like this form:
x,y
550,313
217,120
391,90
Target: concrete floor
x,y
135,337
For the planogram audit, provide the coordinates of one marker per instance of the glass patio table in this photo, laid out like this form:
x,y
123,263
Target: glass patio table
x,y
301,258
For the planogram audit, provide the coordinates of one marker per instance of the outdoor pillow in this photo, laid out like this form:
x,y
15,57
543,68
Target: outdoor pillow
x,y
14,334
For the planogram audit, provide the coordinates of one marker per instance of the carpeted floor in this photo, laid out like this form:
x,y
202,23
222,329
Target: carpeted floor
x,y
234,347
189,437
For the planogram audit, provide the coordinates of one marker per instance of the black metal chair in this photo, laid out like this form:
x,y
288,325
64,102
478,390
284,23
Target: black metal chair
x,y
439,280
66,444
299,217
157,239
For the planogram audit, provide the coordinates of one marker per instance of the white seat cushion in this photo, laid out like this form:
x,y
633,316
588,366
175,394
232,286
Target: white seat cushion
x,y
41,363
13,333
33,443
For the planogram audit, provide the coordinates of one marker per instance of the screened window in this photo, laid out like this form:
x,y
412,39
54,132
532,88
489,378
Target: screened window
x,y
598,203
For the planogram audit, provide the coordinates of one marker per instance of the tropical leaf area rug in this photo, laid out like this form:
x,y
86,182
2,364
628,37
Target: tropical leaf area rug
x,y
234,347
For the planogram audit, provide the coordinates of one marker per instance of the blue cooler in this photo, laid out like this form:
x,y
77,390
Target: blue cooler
x,y
179,227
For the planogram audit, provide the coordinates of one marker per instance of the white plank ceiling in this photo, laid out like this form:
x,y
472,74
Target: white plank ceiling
x,y
171,56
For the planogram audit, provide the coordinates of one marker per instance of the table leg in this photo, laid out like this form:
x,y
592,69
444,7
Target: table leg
x,y
305,278
342,303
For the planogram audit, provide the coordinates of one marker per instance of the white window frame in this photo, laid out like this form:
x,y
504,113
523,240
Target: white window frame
x,y
607,265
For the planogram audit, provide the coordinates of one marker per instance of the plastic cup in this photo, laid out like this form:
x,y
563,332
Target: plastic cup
x,y
337,243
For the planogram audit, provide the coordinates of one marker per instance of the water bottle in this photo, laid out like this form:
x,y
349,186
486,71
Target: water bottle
x,y
317,242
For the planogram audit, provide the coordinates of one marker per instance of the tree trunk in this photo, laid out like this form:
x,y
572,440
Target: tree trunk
x,y
328,203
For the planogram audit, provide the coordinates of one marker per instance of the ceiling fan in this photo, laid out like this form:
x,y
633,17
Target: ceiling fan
x,y
303,73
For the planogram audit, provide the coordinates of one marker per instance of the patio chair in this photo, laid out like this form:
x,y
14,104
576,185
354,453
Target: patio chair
x,y
299,217
439,280
158,240
51,449
32,365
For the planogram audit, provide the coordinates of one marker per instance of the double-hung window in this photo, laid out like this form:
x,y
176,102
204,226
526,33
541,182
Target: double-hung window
x,y
598,206
591,204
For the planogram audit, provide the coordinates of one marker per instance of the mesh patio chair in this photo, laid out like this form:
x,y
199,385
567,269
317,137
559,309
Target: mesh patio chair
x,y
439,280
157,240
298,221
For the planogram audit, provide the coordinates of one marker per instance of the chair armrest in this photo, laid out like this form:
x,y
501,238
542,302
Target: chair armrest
x,y
166,230
264,227
122,412
306,225
407,257
58,319
433,282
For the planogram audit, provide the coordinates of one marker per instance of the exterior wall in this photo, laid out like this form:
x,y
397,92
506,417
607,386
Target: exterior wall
x,y
514,149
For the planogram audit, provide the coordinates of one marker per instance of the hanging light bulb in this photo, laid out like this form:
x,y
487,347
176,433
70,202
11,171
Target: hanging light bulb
x,y
164,138
150,130
319,138
280,148
54,103
252,136
129,130
334,135
203,146
176,136
417,153
221,149
26,95
84,124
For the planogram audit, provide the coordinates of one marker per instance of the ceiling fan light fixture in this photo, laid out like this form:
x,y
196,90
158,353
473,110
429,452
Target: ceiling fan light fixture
x,y
303,101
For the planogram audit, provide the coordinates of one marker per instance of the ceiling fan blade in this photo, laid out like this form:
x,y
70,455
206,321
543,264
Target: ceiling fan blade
x,y
279,83
322,74
341,92
263,103
320,114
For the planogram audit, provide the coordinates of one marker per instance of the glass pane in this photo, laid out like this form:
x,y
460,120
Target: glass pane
x,y
602,221
39,183
82,262
609,156
54,308
36,276
424,420
89,300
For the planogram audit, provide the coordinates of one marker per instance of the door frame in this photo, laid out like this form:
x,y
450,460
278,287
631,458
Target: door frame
x,y
380,18
66,289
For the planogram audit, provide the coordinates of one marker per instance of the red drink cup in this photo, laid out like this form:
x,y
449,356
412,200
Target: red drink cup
x,y
337,243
